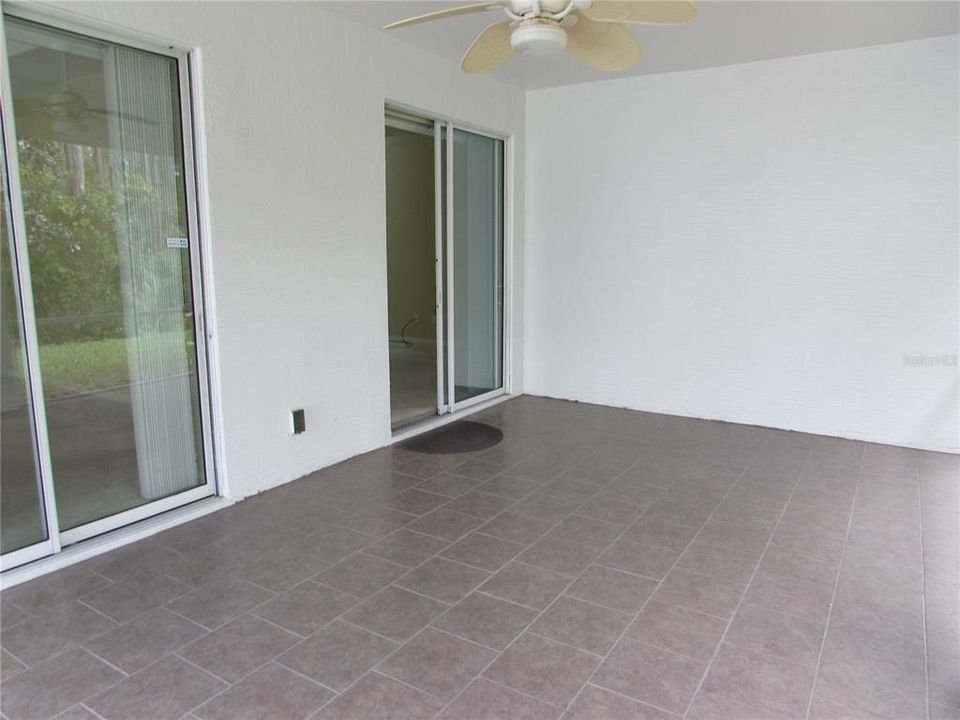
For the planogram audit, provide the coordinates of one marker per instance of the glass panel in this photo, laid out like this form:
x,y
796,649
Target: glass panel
x,y
411,270
102,172
478,264
21,512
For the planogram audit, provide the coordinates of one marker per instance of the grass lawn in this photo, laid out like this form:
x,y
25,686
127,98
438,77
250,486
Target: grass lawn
x,y
70,368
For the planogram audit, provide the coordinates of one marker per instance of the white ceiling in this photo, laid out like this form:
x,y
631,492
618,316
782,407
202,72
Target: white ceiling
x,y
724,33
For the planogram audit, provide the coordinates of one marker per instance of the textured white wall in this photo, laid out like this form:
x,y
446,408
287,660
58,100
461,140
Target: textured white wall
x,y
760,243
293,124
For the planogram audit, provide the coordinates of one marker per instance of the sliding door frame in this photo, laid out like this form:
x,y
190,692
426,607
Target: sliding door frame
x,y
444,239
20,267
197,228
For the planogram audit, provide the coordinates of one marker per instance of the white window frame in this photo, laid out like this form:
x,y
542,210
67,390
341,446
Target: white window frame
x,y
201,283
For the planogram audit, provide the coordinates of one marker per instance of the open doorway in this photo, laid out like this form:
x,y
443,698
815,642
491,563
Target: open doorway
x,y
411,269
445,241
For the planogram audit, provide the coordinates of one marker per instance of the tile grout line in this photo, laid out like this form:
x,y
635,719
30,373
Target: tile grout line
x,y
756,569
923,594
620,637
528,625
562,594
836,582
627,697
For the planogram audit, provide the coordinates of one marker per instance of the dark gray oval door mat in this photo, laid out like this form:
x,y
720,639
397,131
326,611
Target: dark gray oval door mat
x,y
459,437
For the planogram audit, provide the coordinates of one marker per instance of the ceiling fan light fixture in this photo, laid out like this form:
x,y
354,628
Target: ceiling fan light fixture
x,y
538,38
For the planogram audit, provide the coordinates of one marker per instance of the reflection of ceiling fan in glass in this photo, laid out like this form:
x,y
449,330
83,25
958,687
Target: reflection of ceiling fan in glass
x,y
592,31
68,109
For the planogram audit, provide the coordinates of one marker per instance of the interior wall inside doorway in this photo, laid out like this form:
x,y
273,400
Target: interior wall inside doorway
x,y
411,245
411,275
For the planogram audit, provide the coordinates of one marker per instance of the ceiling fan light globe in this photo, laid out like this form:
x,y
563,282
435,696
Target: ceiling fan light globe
x,y
538,39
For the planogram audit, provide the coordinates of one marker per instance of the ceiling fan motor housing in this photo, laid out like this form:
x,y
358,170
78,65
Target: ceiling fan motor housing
x,y
538,36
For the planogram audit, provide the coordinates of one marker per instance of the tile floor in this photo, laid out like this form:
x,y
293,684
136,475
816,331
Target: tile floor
x,y
599,563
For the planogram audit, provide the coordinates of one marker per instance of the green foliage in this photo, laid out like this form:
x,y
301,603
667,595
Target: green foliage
x,y
72,241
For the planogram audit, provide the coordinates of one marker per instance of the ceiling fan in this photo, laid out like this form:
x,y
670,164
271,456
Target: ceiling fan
x,y
68,109
593,31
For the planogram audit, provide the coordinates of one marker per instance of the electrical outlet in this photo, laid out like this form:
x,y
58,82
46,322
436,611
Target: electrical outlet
x,y
298,421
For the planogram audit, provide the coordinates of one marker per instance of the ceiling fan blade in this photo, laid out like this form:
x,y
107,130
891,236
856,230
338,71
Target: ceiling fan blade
x,y
490,48
604,46
653,12
123,116
448,12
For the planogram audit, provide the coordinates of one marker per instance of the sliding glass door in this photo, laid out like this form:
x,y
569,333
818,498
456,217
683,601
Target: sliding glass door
x,y
477,266
106,230
445,261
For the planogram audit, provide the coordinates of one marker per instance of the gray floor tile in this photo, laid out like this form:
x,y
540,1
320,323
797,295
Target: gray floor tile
x,y
944,679
377,697
800,563
437,663
333,543
55,685
699,592
338,655
581,530
395,613
282,570
136,644
219,601
509,487
135,595
446,523
738,537
405,547
612,588
794,596
239,647
10,614
559,557
619,512
548,507
166,689
43,636
651,530
361,574
449,485
652,675
483,551
477,469
650,561
570,488
379,521
526,585
77,712
522,529
595,703
486,620
273,692
480,505
9,666
485,700
785,636
547,670
583,472
581,624
416,502
710,706
679,629
759,680
305,608
717,562
442,579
